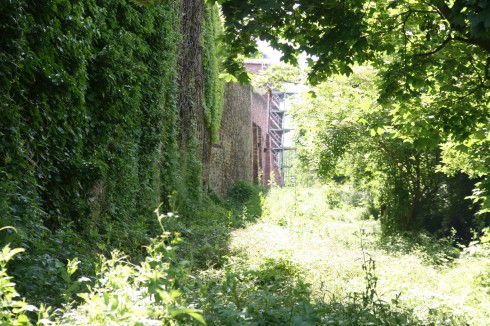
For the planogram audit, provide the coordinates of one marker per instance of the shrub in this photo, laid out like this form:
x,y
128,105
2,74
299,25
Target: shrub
x,y
124,293
13,311
247,197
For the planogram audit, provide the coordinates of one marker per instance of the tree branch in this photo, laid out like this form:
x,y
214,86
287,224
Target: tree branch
x,y
444,10
481,43
439,48
447,13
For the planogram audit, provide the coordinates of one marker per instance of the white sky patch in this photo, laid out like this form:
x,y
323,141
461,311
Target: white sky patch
x,y
265,48
275,56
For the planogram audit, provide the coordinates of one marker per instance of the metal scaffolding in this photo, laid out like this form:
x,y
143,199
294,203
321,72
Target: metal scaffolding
x,y
276,132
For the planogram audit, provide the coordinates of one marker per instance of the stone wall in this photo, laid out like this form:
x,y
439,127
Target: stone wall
x,y
261,143
231,158
244,150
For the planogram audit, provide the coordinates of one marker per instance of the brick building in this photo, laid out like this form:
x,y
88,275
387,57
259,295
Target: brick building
x,y
267,129
267,118
251,136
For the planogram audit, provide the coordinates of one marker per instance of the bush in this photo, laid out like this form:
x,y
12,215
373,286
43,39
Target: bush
x,y
124,293
273,293
246,197
13,311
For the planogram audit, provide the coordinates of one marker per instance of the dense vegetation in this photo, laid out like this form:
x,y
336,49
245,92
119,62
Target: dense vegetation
x,y
315,256
432,57
320,246
343,131
108,110
89,130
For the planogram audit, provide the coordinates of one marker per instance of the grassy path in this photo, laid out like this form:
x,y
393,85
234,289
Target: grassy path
x,y
315,257
324,245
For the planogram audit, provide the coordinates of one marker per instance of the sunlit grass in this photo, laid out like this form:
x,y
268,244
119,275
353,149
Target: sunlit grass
x,y
314,257
326,238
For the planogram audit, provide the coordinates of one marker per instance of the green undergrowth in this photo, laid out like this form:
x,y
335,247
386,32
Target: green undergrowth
x,y
294,256
207,234
357,275
121,293
118,281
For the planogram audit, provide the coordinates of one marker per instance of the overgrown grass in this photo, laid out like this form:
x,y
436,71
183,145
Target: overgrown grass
x,y
297,256
429,280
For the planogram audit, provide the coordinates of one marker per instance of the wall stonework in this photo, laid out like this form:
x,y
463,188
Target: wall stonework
x,y
231,158
262,152
250,137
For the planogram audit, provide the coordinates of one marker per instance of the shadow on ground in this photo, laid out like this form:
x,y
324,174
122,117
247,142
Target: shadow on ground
x,y
276,293
434,251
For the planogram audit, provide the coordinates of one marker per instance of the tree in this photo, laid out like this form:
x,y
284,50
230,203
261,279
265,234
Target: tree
x,y
339,33
344,131
433,58
278,77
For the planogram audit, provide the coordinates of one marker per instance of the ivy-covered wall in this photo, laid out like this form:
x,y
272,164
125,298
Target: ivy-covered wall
x,y
214,86
93,102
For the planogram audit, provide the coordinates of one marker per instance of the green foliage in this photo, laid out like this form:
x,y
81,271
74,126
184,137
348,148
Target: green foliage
x,y
123,292
411,280
273,288
41,270
247,196
277,76
434,251
13,310
109,96
212,58
207,233
145,2
344,131
131,99
336,35
432,56
486,236
139,295
89,131
186,194
292,27
272,293
367,307
317,270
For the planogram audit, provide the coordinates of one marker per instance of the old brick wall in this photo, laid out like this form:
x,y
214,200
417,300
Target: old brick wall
x,y
231,158
254,66
248,138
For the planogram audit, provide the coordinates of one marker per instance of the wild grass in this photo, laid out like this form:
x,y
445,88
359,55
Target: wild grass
x,y
293,256
431,280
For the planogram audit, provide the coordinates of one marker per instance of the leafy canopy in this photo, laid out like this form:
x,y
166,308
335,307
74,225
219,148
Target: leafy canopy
x,y
344,131
336,34
433,59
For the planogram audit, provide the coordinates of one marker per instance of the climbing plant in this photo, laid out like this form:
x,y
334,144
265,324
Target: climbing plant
x,y
212,57
88,127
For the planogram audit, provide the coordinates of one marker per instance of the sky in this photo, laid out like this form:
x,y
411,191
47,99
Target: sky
x,y
274,55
